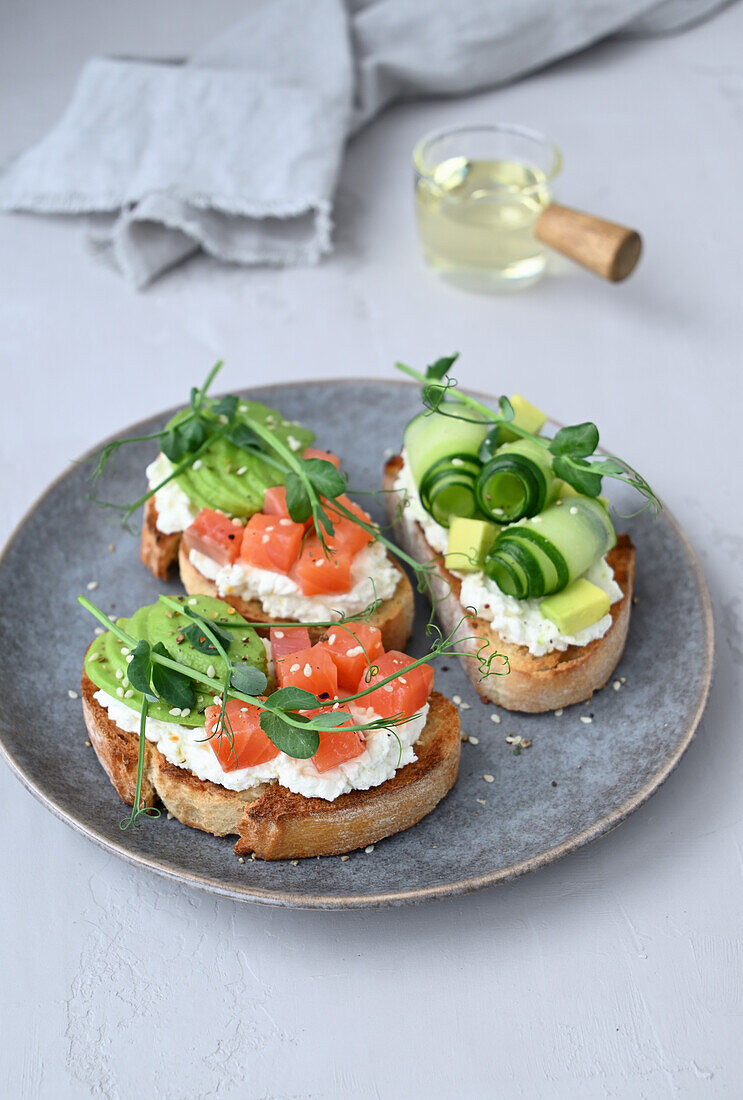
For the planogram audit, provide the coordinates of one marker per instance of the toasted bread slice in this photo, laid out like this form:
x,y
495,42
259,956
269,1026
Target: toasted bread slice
x,y
534,684
156,550
269,820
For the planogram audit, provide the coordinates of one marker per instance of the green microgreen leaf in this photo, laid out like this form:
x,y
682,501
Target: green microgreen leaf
x,y
199,640
298,502
293,698
505,408
248,679
226,406
437,370
174,687
579,441
300,742
243,436
578,474
331,719
139,670
328,481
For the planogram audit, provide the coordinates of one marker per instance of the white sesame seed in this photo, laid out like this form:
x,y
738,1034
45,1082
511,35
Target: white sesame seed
x,y
99,630
241,859
112,618
128,694
120,692
192,602
124,651
242,470
319,562
495,718
236,521
586,718
558,712
119,674
622,679
331,639
489,778
481,801
344,858
279,633
616,685
284,522
94,657
294,668
307,670
474,740
129,658
295,863
358,650
293,443
573,511
270,528
185,711
369,849
175,710
211,672
388,687
72,694
265,538
465,706
197,464
456,700
91,586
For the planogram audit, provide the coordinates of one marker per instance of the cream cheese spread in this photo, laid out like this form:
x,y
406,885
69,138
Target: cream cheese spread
x,y
185,747
519,622
175,512
373,576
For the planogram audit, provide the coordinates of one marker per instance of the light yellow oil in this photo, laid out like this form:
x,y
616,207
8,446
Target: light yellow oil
x,y
476,221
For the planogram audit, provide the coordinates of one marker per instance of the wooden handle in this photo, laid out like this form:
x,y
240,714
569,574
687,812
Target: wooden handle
x,y
607,249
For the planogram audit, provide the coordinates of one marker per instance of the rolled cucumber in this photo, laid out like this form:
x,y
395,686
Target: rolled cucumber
x,y
537,556
517,481
433,436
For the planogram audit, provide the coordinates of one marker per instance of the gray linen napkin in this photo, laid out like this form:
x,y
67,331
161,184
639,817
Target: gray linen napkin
x,y
237,150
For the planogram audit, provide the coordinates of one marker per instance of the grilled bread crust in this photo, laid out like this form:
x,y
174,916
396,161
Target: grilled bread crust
x,y
269,820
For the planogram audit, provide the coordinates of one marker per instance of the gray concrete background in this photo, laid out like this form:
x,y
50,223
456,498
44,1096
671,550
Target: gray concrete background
x,y
616,973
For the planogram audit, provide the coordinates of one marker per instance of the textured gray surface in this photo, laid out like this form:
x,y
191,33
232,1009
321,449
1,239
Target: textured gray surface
x,y
576,781
616,973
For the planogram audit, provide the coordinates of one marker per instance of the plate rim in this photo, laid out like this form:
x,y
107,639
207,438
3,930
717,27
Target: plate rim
x,y
304,900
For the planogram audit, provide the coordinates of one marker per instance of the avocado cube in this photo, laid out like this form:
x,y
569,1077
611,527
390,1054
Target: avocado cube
x,y
469,542
526,415
579,605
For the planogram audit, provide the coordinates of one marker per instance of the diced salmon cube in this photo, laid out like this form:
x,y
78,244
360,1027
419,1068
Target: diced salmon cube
x,y
312,669
404,695
353,646
319,572
242,744
270,542
215,535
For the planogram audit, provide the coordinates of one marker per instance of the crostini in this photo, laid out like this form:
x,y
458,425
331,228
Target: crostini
x,y
520,544
297,749
252,513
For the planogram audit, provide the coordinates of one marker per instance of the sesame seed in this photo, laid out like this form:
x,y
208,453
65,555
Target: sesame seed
x,y
358,650
586,718
111,547
197,464
192,602
489,778
319,562
456,700
284,522
495,718
94,657
293,443
278,633
558,712
307,670
112,618
175,710
211,672
129,658
622,679
294,668
616,685
388,687
369,849
295,863
124,651
99,630
241,859
242,470
573,511
236,521
119,674
128,694
474,740
91,586
481,801
87,744
344,858
72,694
465,706
559,503
270,528
265,538
120,692
185,711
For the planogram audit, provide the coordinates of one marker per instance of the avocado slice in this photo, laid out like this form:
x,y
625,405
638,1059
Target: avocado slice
x,y
526,415
579,605
469,542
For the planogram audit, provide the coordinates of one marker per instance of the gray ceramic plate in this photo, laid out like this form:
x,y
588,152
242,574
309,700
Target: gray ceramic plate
x,y
576,782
